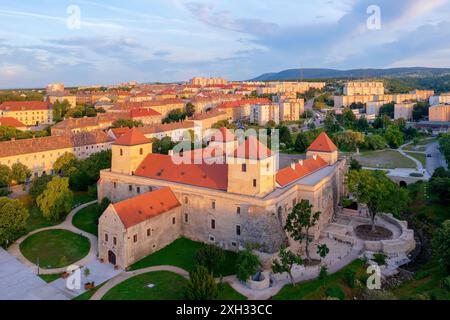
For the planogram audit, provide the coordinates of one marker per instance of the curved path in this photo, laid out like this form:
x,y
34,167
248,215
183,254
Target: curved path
x,y
419,165
127,275
14,249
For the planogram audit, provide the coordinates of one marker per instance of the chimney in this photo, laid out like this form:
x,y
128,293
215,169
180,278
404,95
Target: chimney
x,y
293,165
300,162
315,157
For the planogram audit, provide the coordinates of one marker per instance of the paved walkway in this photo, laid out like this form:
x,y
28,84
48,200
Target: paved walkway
x,y
419,165
127,275
14,249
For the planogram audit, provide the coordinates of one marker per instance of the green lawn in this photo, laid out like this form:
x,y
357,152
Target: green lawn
x,y
181,253
315,289
55,248
422,157
50,277
88,294
168,286
384,159
426,284
87,219
82,197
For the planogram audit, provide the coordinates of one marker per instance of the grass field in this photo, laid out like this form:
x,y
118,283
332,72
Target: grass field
x,y
181,253
55,248
167,286
384,159
50,277
422,157
87,219
316,289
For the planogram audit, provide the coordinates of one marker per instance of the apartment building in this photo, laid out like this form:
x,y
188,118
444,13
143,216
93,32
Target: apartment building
x,y
31,113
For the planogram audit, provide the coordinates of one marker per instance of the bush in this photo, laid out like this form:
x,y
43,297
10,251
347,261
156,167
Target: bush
x,y
446,283
211,257
350,278
201,285
335,292
247,265
323,273
380,258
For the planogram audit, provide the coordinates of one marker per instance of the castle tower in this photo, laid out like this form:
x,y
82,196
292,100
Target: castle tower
x,y
128,151
251,169
324,148
224,139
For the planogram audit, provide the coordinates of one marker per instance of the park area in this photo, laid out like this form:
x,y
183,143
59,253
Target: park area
x,y
55,248
384,159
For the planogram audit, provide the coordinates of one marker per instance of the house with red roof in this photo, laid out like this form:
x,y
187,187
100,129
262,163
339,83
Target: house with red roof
x,y
12,122
31,113
244,198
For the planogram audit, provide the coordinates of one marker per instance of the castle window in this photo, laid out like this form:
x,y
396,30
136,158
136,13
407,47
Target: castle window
x,y
186,200
238,230
130,188
115,241
115,185
213,224
244,167
121,152
212,239
238,210
106,237
254,183
150,189
138,189
213,205
141,151
149,232
233,244
173,220
186,218
135,238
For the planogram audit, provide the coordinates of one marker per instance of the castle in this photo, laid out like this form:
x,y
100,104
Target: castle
x,y
245,199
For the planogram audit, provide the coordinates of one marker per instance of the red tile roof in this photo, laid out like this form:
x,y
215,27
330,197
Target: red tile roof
x,y
147,112
24,105
288,175
223,135
251,148
11,122
132,137
141,208
34,145
162,167
240,103
120,131
323,143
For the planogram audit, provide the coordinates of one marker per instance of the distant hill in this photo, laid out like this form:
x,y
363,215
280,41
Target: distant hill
x,y
297,74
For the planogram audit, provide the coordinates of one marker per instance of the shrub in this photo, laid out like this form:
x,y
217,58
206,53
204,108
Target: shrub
x,y
380,258
446,283
335,292
201,285
211,257
350,278
247,264
323,273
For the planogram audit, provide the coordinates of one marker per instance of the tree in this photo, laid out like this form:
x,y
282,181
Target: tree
x,y
376,190
60,110
271,124
56,200
420,110
190,109
5,176
361,124
355,165
285,136
440,189
441,245
388,110
299,221
65,164
211,257
331,124
176,115
13,219
127,123
39,185
375,142
349,140
247,264
87,172
20,173
286,262
394,136
301,142
323,250
201,285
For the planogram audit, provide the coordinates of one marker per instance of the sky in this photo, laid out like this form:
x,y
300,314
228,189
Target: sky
x,y
108,42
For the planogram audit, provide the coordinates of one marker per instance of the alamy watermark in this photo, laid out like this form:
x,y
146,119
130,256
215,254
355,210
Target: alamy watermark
x,y
73,21
374,19
73,281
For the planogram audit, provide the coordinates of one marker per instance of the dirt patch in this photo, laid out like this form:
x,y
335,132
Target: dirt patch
x,y
312,263
365,232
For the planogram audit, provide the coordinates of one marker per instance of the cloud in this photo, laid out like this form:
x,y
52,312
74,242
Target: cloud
x,y
224,19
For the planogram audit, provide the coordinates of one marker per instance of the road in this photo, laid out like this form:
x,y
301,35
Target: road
x,y
437,159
